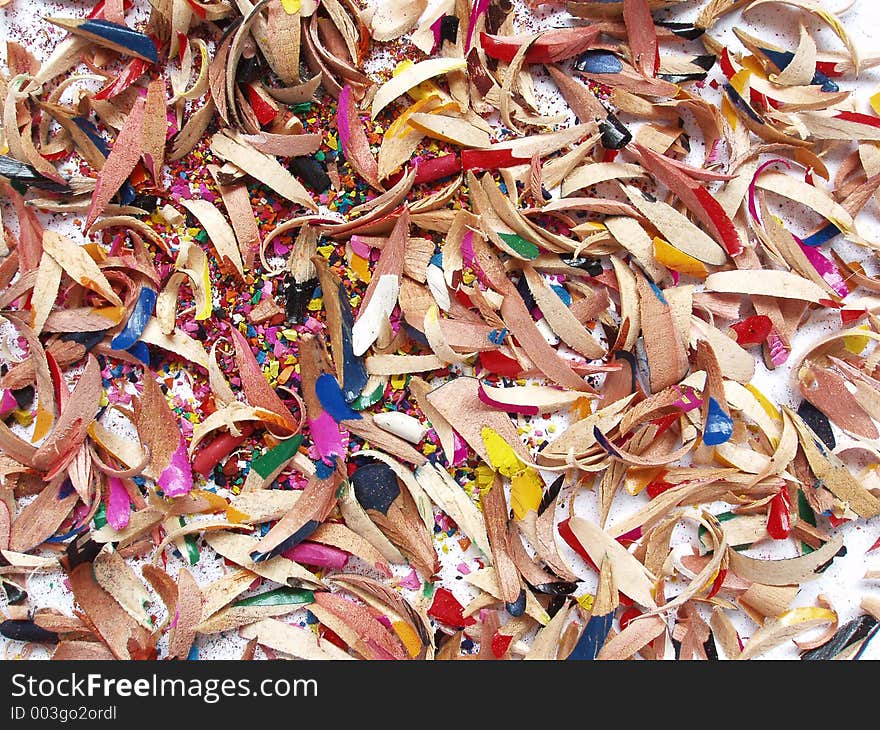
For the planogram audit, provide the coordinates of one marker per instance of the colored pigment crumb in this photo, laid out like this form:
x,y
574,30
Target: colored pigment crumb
x,y
367,346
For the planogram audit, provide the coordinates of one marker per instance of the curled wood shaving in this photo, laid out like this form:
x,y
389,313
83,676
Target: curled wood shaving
x,y
631,576
495,516
233,617
667,358
315,504
513,303
119,580
411,77
546,641
292,640
360,523
122,635
263,167
829,18
560,317
768,283
238,549
834,475
346,539
220,592
632,639
139,524
786,627
452,499
366,634
459,403
189,611
218,230
784,572
486,580
41,518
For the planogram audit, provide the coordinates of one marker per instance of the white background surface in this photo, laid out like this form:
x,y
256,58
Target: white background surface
x,y
842,584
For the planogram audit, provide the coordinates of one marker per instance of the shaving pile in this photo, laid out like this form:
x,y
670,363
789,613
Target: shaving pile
x,y
336,324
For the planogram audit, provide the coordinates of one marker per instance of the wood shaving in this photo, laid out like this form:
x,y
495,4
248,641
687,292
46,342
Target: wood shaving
x,y
439,331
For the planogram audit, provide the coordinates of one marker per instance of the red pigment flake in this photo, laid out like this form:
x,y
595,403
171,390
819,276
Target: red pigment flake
x,y
446,609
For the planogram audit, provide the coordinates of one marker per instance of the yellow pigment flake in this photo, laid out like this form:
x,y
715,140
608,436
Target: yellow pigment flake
x,y
856,343
398,382
22,417
806,613
44,422
754,65
360,267
218,503
408,636
400,127
875,102
402,66
472,488
586,601
234,515
526,490
426,90
526,485
768,407
501,455
484,476
673,258
96,252
637,479
285,375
